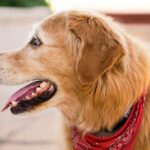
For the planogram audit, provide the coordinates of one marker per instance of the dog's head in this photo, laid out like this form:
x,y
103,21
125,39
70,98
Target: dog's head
x,y
63,61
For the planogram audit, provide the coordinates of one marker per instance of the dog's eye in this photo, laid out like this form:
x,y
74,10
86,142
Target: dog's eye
x,y
35,42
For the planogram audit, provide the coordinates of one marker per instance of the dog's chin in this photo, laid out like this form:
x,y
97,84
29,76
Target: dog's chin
x,y
31,97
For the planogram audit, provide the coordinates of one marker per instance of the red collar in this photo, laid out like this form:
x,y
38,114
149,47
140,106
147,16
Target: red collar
x,y
123,139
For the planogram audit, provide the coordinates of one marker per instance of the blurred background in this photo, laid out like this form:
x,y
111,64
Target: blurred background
x,y
42,130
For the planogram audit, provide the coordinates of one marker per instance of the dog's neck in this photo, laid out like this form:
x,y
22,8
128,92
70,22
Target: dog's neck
x,y
124,137
116,127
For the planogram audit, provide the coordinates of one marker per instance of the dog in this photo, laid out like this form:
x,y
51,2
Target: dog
x,y
97,75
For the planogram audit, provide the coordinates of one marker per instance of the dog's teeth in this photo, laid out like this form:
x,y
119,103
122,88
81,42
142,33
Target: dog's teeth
x,y
43,84
27,97
33,94
51,88
38,89
14,103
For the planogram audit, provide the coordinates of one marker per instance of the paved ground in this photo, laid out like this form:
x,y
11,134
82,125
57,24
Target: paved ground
x,y
38,131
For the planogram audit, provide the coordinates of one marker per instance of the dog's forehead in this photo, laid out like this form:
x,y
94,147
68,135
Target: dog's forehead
x,y
38,31
54,22
51,28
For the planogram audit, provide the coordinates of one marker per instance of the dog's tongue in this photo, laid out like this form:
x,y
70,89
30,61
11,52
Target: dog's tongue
x,y
20,93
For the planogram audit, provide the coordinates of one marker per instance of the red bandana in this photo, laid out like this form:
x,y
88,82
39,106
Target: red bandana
x,y
123,139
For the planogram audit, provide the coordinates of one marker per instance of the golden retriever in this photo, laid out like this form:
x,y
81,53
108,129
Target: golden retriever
x,y
87,67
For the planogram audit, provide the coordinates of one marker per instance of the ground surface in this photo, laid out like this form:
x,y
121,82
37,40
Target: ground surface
x,y
41,130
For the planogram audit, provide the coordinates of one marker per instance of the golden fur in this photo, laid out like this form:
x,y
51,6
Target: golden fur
x,y
99,69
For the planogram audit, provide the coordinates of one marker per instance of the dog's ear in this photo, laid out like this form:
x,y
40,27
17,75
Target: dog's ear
x,y
95,45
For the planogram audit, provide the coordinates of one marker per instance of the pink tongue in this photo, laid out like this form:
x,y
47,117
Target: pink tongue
x,y
17,95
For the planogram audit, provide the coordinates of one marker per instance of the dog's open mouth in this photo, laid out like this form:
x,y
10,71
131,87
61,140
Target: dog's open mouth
x,y
30,96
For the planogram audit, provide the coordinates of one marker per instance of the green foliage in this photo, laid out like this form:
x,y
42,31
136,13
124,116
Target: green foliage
x,y
23,3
